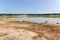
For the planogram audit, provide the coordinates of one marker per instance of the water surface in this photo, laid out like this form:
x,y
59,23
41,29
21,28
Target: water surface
x,y
38,20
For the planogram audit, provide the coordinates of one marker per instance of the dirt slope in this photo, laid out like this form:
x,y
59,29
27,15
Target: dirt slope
x,y
15,30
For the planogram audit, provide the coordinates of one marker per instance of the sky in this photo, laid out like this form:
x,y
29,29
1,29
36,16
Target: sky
x,y
30,6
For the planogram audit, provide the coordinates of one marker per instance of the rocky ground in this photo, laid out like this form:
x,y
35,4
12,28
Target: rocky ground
x,y
16,30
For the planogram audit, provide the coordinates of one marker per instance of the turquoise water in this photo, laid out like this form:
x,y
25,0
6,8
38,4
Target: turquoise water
x,y
38,20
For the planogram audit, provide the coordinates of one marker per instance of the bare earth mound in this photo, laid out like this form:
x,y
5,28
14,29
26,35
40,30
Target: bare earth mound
x,y
15,30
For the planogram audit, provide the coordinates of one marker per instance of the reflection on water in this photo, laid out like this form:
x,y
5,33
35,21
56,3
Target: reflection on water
x,y
52,20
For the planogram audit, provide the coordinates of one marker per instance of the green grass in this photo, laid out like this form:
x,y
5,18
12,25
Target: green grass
x,y
22,22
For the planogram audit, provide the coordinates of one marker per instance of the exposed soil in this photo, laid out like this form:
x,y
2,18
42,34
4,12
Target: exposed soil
x,y
45,31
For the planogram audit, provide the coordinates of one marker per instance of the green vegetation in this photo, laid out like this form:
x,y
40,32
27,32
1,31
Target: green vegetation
x,y
22,22
29,15
44,16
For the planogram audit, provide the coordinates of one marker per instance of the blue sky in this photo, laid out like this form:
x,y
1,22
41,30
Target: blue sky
x,y
29,6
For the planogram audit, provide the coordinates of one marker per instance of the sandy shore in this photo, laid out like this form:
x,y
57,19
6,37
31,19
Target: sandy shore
x,y
44,31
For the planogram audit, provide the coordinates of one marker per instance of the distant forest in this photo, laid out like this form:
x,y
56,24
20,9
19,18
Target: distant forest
x,y
29,15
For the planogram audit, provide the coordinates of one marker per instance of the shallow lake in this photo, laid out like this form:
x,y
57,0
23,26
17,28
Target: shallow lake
x,y
38,20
